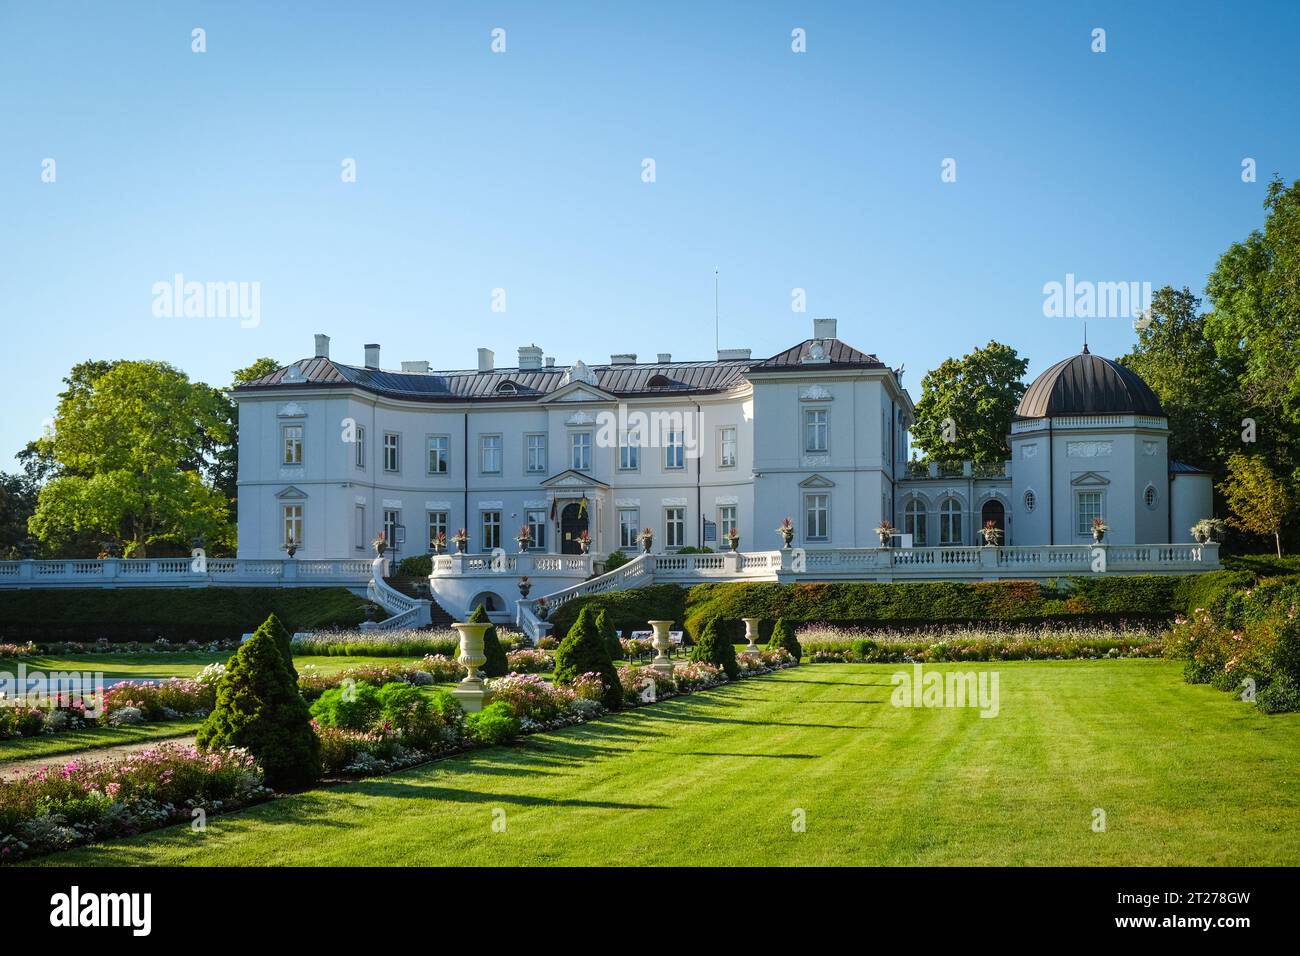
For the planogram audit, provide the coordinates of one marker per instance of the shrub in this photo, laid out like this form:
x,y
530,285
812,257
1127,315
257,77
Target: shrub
x,y
284,641
494,724
423,721
1281,696
783,638
609,635
495,663
583,651
715,647
355,707
615,560
258,707
628,610
416,566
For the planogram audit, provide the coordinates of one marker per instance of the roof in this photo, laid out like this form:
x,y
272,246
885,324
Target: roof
x,y
840,354
1182,468
1087,384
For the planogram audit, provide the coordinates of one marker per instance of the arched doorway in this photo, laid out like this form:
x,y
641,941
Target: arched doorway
x,y
993,511
573,521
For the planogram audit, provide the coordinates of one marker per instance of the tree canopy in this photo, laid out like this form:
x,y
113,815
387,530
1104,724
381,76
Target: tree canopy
x,y
966,406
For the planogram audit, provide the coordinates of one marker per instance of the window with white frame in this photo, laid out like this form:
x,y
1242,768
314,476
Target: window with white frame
x,y
674,449
437,524
536,521
816,430
1031,500
535,454
392,521
914,521
360,531
629,450
438,453
392,451
726,520
950,521
1087,505
361,446
727,447
629,527
489,454
580,451
675,527
491,525
817,517
292,444
291,530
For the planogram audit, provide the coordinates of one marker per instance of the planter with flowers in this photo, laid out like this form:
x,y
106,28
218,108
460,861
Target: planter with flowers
x,y
886,533
786,531
542,608
1099,529
524,538
290,547
992,534
647,537
525,586
439,542
1208,529
733,538
461,538
584,541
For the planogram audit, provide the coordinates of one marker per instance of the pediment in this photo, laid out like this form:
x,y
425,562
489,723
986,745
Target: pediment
x,y
1090,478
291,493
816,481
579,392
573,479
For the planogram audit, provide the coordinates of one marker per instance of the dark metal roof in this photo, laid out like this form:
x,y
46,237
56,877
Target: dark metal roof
x,y
1087,384
841,355
1182,468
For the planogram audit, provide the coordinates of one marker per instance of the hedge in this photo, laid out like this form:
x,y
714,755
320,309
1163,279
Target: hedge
x,y
628,610
178,614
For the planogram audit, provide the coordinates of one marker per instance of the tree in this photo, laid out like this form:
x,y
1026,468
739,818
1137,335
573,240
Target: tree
x,y
225,455
715,647
609,635
1259,502
583,651
495,664
259,708
284,641
130,441
783,636
17,505
966,406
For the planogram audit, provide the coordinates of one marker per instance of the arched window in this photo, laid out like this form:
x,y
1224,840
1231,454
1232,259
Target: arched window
x,y
914,522
1150,498
950,522
1030,501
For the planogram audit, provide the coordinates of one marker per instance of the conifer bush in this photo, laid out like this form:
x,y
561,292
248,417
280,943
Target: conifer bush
x,y
715,647
609,635
583,651
783,636
259,708
495,664
284,641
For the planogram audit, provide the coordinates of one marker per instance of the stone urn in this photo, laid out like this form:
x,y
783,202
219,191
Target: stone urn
x,y
751,635
470,692
525,586
662,645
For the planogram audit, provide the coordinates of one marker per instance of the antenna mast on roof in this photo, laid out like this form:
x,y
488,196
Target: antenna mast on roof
x,y
717,336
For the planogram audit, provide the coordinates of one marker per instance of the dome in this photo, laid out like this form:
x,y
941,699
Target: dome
x,y
1087,384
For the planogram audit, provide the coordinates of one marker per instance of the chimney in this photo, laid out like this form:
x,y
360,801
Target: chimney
x,y
372,355
824,328
665,358
322,345
418,366
530,357
732,355
485,358
550,361
623,358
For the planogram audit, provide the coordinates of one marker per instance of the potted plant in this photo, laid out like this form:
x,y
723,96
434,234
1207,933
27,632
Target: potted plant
x,y
733,538
380,544
885,533
992,534
525,586
524,537
291,546
1099,529
584,541
786,531
461,537
542,609
1208,529
647,537
439,542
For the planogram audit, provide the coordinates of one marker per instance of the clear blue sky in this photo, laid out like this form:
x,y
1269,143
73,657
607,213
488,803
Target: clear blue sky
x,y
522,171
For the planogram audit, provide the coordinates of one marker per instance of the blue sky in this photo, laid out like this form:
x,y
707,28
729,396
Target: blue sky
x,y
522,171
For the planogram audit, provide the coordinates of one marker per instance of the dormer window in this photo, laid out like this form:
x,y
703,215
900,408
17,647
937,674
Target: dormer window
x,y
507,388
659,381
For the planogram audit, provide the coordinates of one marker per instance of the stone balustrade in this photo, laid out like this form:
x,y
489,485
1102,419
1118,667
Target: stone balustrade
x,y
184,572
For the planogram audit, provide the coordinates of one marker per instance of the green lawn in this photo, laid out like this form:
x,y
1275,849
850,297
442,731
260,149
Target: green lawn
x,y
1185,774
94,738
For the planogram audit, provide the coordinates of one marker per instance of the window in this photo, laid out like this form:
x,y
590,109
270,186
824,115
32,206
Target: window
x,y
361,446
950,522
816,437
817,517
1150,498
629,451
1087,507
489,454
392,451
438,453
292,531
360,530
726,520
437,523
536,521
491,530
914,522
393,530
580,451
1031,500
293,444
535,454
727,449
629,527
674,449
674,527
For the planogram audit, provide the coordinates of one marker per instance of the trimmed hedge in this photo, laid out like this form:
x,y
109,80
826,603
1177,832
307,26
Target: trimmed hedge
x,y
47,615
628,610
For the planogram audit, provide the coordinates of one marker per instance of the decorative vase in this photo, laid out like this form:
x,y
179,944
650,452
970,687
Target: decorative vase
x,y
788,537
647,544
663,643
751,635
1098,537
524,587
470,692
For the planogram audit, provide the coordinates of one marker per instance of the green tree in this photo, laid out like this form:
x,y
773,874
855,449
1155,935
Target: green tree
x,y
783,636
259,708
495,664
1259,501
609,635
583,651
966,406
284,641
715,647
17,505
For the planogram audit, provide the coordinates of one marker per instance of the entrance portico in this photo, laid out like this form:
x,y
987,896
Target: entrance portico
x,y
578,504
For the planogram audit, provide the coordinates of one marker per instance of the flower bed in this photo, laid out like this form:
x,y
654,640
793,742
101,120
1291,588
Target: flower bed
x,y
63,806
160,646
931,645
530,660
405,643
430,669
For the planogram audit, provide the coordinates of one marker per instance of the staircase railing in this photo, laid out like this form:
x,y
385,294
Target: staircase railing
x,y
404,611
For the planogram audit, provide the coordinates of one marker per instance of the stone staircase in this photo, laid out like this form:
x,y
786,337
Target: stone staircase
x,y
418,588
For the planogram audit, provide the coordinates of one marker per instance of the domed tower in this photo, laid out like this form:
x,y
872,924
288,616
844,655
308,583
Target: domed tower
x,y
1090,439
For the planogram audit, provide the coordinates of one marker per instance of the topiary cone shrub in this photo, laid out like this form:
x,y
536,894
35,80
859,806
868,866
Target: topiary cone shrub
x,y
783,636
583,651
609,636
259,708
495,664
715,647
284,641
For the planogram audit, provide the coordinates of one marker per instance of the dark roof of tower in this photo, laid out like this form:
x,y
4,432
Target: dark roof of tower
x,y
1087,384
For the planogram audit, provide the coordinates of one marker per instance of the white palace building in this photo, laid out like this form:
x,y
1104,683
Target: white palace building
x,y
330,454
